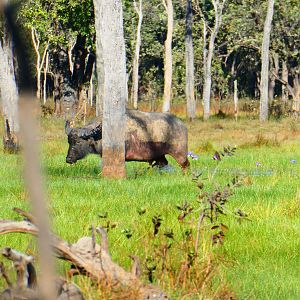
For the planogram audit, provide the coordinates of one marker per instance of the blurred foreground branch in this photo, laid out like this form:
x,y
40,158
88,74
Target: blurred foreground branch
x,y
89,259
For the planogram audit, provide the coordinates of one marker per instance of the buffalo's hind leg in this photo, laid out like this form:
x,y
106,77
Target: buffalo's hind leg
x,y
160,162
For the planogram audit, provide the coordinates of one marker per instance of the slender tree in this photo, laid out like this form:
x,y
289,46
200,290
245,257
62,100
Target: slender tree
x,y
264,82
168,57
40,59
135,65
218,9
189,58
111,50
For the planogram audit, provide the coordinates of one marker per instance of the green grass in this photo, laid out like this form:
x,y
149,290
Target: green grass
x,y
260,257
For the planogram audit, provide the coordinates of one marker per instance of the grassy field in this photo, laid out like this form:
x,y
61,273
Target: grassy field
x,y
260,257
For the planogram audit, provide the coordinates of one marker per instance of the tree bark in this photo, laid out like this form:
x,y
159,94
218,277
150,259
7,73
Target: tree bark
x,y
285,78
218,8
189,58
235,99
46,68
296,90
9,94
135,67
265,63
274,70
65,92
168,57
80,54
111,50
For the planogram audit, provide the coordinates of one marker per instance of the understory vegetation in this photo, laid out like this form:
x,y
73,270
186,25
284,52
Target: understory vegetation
x,y
246,204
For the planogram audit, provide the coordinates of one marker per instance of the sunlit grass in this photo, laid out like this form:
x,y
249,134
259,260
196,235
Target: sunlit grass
x,y
260,256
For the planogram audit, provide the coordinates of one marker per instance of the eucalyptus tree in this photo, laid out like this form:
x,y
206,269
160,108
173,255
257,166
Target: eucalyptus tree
x,y
264,90
189,56
218,6
111,51
8,88
168,73
135,66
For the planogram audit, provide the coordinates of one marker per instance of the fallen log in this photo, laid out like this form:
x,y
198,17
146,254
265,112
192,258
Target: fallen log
x,y
91,259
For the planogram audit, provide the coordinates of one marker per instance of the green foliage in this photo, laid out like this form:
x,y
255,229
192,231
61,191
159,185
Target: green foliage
x,y
238,42
59,21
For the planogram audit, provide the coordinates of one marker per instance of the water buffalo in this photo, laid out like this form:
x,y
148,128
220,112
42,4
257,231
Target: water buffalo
x,y
149,137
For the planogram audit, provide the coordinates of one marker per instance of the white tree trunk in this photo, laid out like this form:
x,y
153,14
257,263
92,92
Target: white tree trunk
x,y
218,8
265,63
91,92
8,87
235,99
189,69
39,61
46,68
135,67
111,49
204,47
168,57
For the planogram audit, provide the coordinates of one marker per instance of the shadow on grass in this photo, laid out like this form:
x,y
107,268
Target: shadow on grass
x,y
86,171
91,169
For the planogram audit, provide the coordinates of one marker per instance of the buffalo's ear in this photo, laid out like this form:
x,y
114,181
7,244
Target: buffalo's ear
x,y
67,127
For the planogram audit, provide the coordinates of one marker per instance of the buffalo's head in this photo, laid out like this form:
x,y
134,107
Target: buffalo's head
x,y
82,141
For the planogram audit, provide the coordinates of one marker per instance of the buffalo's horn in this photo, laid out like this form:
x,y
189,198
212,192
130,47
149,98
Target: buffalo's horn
x,y
95,132
67,127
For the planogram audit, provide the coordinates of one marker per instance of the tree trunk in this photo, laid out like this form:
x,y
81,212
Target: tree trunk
x,y
80,54
296,90
265,63
285,78
111,49
100,80
274,75
45,77
235,99
189,58
57,94
9,94
135,66
168,57
218,8
257,85
39,60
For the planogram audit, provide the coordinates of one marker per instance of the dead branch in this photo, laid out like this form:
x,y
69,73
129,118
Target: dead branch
x,y
136,266
28,216
4,274
26,287
104,239
100,267
26,274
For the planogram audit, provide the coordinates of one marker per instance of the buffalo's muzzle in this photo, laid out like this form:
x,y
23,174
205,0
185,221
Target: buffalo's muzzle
x,y
69,160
